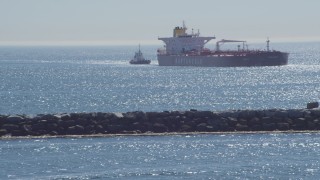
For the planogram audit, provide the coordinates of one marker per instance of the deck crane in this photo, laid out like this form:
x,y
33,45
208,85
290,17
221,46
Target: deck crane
x,y
227,41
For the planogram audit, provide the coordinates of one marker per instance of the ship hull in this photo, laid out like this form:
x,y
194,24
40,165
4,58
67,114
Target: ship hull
x,y
140,62
256,59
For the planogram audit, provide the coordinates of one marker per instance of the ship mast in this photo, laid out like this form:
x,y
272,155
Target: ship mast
x,y
184,26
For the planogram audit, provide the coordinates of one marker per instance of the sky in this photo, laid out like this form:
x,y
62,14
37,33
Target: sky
x,y
116,22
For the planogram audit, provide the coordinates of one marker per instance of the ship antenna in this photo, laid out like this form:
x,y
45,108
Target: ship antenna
x,y
184,25
139,48
268,41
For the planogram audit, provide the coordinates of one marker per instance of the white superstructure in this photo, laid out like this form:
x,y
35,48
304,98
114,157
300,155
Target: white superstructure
x,y
182,41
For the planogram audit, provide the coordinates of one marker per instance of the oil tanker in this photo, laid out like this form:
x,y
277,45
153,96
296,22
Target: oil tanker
x,y
185,49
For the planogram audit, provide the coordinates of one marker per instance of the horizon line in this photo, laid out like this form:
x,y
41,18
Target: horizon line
x,y
136,42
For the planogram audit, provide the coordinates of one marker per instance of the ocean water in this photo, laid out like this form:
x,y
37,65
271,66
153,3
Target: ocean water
x,y
230,156
91,79
37,80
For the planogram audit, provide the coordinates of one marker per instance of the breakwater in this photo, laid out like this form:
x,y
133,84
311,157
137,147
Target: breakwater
x,y
139,122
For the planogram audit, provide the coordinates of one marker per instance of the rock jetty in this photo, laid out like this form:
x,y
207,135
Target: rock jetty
x,y
139,122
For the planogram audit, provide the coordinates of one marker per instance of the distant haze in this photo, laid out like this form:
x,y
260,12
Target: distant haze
x,y
115,22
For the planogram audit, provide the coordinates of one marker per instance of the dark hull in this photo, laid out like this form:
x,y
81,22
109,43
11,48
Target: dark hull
x,y
140,62
255,59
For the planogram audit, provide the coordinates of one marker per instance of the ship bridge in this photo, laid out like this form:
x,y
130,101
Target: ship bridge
x,y
183,42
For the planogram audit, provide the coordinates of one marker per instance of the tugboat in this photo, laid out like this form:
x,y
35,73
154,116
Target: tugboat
x,y
139,59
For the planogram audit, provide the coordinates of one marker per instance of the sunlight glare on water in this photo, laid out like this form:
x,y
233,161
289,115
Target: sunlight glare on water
x,y
252,156
90,79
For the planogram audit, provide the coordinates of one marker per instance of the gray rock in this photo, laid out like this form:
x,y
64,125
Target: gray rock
x,y
3,132
200,120
52,127
102,116
129,118
219,124
203,114
18,133
283,126
243,121
260,113
269,113
186,128
295,113
301,126
202,127
148,126
100,129
247,114
90,129
27,128
307,114
254,121
76,115
211,129
256,127
10,127
138,126
115,129
315,112
268,120
312,105
269,126
178,113
13,119
140,116
65,117
190,114
227,114
39,127
232,122
66,123
159,128
118,115
311,126
161,120
82,121
41,133
281,114
241,127
151,115
88,116
53,133
173,121
224,126
77,130
288,120
300,121
2,120
49,117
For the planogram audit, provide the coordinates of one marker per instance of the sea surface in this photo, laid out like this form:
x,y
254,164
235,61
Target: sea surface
x,y
229,156
38,80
